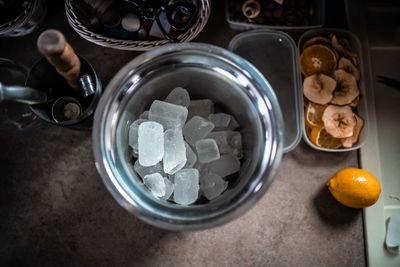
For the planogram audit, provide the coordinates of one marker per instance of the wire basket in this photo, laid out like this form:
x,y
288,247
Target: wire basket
x,y
71,6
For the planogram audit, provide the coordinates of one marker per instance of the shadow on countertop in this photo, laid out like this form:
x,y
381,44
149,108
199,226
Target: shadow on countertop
x,y
331,211
328,209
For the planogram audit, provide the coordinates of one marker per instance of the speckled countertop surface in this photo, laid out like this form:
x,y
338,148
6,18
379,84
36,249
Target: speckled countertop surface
x,y
55,210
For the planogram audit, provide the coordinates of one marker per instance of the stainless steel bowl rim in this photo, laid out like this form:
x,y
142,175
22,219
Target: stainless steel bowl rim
x,y
185,218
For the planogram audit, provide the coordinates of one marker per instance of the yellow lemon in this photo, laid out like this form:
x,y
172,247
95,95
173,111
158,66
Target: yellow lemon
x,y
355,188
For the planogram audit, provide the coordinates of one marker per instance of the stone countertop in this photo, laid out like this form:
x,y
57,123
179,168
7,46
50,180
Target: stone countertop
x,y
55,210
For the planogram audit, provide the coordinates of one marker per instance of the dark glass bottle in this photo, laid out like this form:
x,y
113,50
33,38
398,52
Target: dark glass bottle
x,y
177,16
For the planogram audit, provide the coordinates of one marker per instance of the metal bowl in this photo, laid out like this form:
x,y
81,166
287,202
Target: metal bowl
x,y
44,77
206,71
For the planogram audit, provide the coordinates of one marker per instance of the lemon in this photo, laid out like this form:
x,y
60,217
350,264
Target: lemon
x,y
355,188
320,137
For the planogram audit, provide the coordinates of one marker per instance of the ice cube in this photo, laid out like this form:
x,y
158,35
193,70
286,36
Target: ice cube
x,y
191,157
144,115
174,151
169,115
178,96
133,135
171,177
202,108
143,171
186,186
223,121
229,142
169,189
207,150
224,166
197,128
220,120
235,140
201,167
221,138
233,124
151,143
155,183
212,185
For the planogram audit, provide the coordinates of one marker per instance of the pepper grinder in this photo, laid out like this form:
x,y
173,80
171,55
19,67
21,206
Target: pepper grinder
x,y
58,52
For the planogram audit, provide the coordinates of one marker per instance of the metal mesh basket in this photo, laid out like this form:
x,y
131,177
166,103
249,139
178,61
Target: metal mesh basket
x,y
71,6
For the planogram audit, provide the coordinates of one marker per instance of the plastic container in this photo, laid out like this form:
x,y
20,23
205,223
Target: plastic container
x,y
318,20
275,55
362,107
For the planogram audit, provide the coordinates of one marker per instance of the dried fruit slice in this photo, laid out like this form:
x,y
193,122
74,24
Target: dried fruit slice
x,y
305,102
317,59
320,137
348,66
350,141
346,90
354,60
317,40
313,114
343,46
321,41
355,102
319,88
339,121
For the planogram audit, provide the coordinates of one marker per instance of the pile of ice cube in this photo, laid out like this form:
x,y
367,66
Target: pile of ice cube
x,y
184,150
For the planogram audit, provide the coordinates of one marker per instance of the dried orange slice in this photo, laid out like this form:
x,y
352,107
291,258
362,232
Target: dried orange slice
x,y
320,137
322,41
317,40
313,114
318,59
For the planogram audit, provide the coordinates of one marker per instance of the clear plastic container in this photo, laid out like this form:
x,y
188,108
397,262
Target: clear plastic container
x,y
275,55
318,20
362,106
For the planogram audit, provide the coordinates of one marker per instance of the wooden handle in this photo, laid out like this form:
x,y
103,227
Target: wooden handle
x,y
52,45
